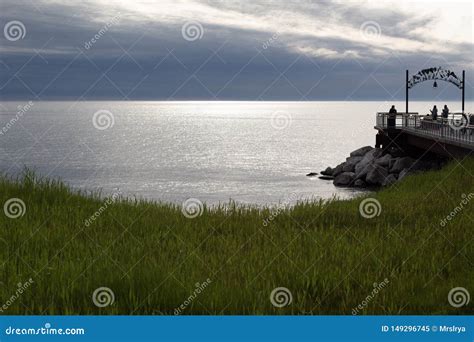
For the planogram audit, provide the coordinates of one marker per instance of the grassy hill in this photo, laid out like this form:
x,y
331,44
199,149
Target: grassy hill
x,y
228,260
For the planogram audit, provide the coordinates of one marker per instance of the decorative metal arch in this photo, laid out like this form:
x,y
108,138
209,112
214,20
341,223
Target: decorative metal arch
x,y
438,73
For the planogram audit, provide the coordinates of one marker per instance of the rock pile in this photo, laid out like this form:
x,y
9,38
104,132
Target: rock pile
x,y
373,167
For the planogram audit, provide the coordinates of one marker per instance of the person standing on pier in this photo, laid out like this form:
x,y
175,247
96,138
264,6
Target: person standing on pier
x,y
445,113
392,114
434,113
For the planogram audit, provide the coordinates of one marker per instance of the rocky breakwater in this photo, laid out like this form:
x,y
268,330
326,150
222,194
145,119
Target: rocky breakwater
x,y
374,167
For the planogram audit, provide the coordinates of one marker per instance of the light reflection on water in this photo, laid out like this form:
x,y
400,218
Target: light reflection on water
x,y
251,152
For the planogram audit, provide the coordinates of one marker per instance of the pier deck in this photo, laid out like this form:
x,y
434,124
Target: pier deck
x,y
453,135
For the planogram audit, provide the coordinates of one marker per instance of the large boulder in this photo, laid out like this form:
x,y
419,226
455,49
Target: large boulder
x,y
327,172
359,183
376,175
354,160
403,174
348,167
368,159
350,164
389,180
392,162
402,163
338,169
362,173
344,179
384,160
374,153
360,152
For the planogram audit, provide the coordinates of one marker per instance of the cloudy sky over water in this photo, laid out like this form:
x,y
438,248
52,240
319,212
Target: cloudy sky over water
x,y
230,50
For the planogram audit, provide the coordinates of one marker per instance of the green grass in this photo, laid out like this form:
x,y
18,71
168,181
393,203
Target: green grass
x,y
325,253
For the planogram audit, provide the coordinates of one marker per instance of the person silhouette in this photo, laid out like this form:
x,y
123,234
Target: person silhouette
x,y
392,114
434,113
445,112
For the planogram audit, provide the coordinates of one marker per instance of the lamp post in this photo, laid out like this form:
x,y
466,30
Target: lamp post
x,y
406,92
463,86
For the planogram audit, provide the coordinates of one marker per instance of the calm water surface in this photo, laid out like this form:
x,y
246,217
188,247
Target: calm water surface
x,y
251,152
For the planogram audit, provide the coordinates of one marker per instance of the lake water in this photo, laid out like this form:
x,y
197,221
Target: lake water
x,y
251,152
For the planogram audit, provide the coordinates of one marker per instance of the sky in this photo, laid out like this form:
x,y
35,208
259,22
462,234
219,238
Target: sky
x,y
297,50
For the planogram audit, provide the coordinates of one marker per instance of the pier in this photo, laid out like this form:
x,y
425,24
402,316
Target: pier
x,y
448,136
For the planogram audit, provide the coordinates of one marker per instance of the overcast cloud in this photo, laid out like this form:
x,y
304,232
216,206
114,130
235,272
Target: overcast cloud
x,y
206,50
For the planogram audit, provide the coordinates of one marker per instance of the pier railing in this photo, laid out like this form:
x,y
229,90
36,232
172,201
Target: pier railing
x,y
455,128
401,119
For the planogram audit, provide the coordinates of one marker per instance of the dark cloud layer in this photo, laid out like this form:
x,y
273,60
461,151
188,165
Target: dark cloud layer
x,y
149,59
